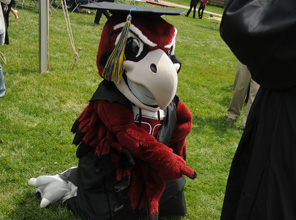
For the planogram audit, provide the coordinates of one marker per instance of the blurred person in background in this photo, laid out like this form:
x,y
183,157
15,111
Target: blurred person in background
x,y
202,7
2,39
244,90
193,4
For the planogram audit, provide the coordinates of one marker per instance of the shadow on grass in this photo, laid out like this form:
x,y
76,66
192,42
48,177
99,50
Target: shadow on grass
x,y
164,218
28,209
219,124
209,27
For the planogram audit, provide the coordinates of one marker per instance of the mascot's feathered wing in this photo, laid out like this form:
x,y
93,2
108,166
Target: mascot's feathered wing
x,y
131,136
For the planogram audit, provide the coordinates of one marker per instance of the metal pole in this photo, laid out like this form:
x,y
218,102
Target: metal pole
x,y
43,35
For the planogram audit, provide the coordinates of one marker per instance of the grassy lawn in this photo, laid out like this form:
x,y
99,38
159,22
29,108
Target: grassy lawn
x,y
38,110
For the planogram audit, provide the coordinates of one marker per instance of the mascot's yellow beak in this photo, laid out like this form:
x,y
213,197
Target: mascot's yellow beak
x,y
151,82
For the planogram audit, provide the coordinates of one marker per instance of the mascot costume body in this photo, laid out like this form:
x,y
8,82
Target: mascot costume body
x,y
131,136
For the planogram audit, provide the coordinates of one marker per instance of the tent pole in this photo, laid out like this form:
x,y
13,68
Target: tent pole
x,y
43,36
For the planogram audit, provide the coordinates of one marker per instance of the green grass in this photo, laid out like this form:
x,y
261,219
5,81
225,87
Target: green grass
x,y
38,110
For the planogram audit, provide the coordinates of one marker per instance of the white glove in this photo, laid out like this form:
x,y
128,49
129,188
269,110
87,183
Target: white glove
x,y
53,189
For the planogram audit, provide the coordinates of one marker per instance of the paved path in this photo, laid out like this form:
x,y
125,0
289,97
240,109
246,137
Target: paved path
x,y
187,7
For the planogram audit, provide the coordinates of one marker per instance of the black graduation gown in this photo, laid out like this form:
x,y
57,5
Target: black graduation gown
x,y
95,176
262,179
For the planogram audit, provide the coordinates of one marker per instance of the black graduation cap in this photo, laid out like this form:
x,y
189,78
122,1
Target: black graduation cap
x,y
136,9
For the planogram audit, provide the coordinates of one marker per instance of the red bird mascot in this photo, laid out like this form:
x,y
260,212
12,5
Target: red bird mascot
x,y
131,136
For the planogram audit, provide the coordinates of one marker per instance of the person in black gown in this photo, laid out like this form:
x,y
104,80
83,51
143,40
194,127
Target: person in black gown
x,y
99,12
193,4
262,179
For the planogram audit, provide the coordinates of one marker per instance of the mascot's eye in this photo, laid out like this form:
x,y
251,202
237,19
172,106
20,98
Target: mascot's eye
x,y
132,47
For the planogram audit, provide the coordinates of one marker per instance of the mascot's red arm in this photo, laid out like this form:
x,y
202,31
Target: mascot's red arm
x,y
158,162
143,146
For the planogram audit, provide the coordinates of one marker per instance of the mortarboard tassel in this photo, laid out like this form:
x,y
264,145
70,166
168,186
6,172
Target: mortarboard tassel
x,y
115,65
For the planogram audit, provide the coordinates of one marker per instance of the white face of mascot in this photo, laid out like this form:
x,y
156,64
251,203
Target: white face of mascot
x,y
150,75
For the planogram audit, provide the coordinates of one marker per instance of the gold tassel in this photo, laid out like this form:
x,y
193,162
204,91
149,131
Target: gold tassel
x,y
114,67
